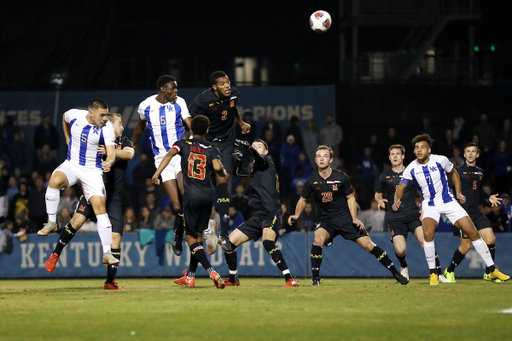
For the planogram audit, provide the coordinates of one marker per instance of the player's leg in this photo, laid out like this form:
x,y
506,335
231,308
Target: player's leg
x,y
222,192
236,238
98,204
487,235
400,244
115,213
321,237
171,188
429,224
58,181
269,243
458,257
418,233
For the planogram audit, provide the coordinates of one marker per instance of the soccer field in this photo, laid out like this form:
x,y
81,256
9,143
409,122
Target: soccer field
x,y
260,309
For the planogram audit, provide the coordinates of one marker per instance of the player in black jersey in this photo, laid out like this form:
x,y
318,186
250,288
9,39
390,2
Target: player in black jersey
x,y
199,161
407,219
337,214
113,185
218,103
268,216
471,187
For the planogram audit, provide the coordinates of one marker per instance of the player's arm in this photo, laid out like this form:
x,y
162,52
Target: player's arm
x,y
301,204
398,195
188,121
454,175
246,127
352,206
165,161
137,132
111,158
67,129
239,156
219,168
126,153
380,200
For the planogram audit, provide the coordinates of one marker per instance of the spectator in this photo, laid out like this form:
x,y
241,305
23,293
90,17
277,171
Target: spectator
x,y
6,237
18,151
63,218
446,146
311,141
299,186
274,149
378,151
7,131
331,134
68,199
376,216
502,161
151,204
486,133
46,134
294,130
20,200
47,177
235,218
165,220
22,223
285,227
306,167
367,178
460,134
37,204
427,128
146,219
89,226
240,201
298,176
307,220
498,218
505,205
392,138
251,135
5,159
290,153
456,159
130,220
272,125
12,189
44,161
505,134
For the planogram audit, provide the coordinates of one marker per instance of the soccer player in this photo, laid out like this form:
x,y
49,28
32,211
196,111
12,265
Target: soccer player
x,y
164,114
471,187
114,185
268,217
337,214
408,218
218,103
428,172
198,160
84,131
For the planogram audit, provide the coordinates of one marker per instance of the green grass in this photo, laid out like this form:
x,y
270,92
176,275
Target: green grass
x,y
260,309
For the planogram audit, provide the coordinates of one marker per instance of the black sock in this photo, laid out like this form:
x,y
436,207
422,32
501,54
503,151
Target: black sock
x,y
197,251
112,268
439,271
178,232
492,250
222,192
402,261
67,233
316,260
277,257
457,258
192,267
384,259
231,261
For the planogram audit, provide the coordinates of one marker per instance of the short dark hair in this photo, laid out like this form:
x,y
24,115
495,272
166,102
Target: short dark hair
x,y
97,103
472,144
199,125
216,75
162,80
421,138
261,141
397,146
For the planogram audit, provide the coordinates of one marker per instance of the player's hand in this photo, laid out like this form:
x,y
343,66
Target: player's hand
x,y
358,223
292,219
494,200
238,155
461,198
246,127
396,205
155,179
382,203
106,166
242,143
102,149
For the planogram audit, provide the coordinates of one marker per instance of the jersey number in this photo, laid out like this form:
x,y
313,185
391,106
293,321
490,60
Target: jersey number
x,y
83,138
326,196
224,115
429,182
196,170
474,184
162,120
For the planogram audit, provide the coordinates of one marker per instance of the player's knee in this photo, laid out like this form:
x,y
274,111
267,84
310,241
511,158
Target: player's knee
x,y
368,246
319,241
464,248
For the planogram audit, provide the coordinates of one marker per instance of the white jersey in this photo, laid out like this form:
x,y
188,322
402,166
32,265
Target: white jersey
x,y
85,138
164,122
431,179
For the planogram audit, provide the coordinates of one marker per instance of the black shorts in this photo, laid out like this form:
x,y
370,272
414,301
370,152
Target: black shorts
x,y
402,228
347,231
197,215
253,228
226,154
114,211
479,219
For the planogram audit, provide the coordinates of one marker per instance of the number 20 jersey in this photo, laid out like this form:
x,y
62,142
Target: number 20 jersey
x,y
197,168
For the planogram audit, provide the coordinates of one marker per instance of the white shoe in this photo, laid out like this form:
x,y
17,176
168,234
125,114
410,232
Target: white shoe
x,y
211,238
404,272
49,227
109,259
443,279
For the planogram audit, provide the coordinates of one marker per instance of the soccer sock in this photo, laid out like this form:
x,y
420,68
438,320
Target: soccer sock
x,y
316,260
52,199
430,254
438,265
458,257
112,268
105,231
197,251
231,261
277,257
179,227
401,259
492,250
192,267
67,233
384,259
223,208
483,251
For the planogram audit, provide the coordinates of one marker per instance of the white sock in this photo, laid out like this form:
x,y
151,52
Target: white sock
x,y
483,251
430,254
105,231
52,199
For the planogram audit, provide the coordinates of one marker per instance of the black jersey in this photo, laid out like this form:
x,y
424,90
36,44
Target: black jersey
x,y
471,187
197,168
115,178
387,185
220,111
265,185
330,196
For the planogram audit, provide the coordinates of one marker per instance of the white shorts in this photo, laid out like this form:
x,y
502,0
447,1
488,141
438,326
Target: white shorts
x,y
91,178
173,168
452,210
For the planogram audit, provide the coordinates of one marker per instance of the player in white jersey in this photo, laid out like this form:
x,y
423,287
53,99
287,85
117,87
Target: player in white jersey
x,y
163,114
429,173
85,130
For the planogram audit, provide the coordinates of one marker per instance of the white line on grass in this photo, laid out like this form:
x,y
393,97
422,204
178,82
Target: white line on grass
x,y
507,311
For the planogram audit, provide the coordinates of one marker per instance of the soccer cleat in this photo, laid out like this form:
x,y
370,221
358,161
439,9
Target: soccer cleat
x,y
488,277
434,279
186,281
225,243
49,227
217,281
405,272
450,276
401,279
211,238
112,286
109,259
52,262
443,279
496,274
177,245
229,284
315,282
291,283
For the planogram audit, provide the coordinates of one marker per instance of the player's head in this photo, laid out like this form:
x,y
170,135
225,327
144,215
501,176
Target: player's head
x,y
98,110
396,154
167,87
323,157
422,146
117,123
221,84
471,152
199,125
260,146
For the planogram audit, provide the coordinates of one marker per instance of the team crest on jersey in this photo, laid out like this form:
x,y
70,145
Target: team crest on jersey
x,y
96,130
335,187
232,103
432,168
82,208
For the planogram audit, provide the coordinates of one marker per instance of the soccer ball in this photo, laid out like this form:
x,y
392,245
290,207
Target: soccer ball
x,y
320,21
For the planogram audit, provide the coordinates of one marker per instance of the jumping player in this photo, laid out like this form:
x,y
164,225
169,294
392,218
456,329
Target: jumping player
x,y
337,214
